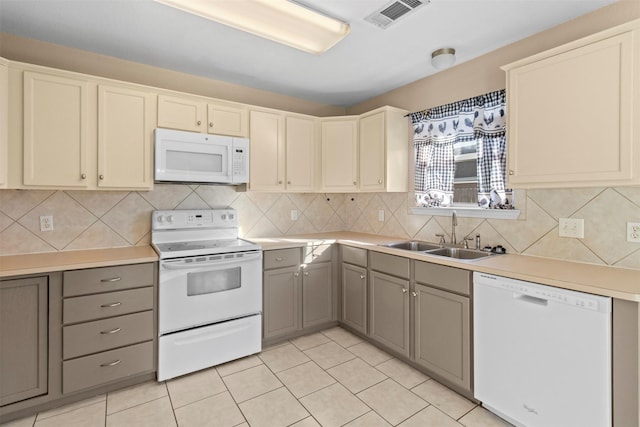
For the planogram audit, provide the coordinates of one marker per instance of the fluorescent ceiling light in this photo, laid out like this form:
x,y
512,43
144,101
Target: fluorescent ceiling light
x,y
278,20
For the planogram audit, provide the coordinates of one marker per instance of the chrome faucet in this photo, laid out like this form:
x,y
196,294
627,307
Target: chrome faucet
x,y
454,222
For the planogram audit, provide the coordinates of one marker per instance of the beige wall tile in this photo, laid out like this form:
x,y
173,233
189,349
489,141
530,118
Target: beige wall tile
x,y
15,203
193,201
166,196
522,234
218,196
98,235
131,218
5,221
97,202
562,202
16,239
554,246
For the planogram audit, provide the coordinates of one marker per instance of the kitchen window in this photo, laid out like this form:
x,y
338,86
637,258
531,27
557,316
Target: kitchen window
x,y
460,154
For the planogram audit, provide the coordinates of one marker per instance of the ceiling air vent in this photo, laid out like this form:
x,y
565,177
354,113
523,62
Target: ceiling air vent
x,y
393,11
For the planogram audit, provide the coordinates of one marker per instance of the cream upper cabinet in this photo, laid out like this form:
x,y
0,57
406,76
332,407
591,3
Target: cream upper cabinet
x,y
125,138
282,152
383,150
300,153
339,142
267,151
574,113
4,122
200,115
182,113
56,138
227,119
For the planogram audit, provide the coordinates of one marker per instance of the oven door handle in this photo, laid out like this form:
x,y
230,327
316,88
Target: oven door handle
x,y
197,265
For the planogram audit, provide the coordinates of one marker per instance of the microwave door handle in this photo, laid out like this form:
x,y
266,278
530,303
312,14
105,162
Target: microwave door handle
x,y
198,265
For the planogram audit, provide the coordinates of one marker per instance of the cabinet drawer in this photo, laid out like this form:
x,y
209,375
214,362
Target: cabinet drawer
x,y
443,277
100,368
99,306
94,280
390,264
101,335
320,253
282,258
355,256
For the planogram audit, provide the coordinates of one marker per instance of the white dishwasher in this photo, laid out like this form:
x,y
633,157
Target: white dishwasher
x,y
542,355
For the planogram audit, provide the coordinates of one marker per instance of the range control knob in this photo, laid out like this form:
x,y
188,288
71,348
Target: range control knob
x,y
160,219
170,218
230,216
223,216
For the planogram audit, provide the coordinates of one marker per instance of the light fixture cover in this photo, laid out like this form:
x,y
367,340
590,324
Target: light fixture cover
x,y
279,20
443,58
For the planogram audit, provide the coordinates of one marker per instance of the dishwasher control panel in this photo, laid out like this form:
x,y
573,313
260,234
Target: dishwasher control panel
x,y
544,293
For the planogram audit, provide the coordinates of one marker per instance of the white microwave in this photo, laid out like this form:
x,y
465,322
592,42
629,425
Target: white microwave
x,y
192,157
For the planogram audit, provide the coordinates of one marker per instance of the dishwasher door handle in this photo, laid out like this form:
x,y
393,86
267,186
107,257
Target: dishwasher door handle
x,y
530,299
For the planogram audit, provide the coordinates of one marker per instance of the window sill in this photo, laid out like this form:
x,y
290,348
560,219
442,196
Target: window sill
x,y
469,212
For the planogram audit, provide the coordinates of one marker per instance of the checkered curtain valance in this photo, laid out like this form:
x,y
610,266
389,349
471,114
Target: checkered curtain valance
x,y
436,131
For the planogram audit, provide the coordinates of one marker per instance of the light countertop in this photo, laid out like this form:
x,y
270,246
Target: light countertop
x,y
616,282
47,262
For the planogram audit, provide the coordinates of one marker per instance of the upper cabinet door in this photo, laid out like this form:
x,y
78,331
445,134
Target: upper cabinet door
x,y
300,153
182,113
227,120
55,130
571,114
372,152
267,155
125,138
340,155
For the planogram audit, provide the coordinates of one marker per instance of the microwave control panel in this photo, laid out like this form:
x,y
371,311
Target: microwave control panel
x,y
240,159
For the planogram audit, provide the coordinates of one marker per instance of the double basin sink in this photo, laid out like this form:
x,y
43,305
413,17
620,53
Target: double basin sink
x,y
434,249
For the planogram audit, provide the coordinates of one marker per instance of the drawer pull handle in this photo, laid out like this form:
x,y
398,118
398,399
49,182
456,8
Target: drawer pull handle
x,y
114,363
113,331
113,304
280,259
113,279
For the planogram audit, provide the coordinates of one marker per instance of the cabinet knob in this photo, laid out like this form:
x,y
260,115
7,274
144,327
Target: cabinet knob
x,y
511,172
83,176
404,291
279,182
289,182
379,181
296,274
414,294
355,183
101,177
199,122
210,124
362,276
306,273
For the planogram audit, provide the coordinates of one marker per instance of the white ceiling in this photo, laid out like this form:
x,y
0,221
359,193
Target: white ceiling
x,y
370,61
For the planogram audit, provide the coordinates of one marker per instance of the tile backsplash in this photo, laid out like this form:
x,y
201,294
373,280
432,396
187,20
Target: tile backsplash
x,y
102,219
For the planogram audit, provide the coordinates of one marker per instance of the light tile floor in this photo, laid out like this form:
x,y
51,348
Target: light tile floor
x,y
330,378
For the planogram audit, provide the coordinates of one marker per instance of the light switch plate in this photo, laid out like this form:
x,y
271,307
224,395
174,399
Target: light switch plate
x,y
571,227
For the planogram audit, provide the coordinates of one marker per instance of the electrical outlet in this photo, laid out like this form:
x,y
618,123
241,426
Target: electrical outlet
x,y
46,223
571,227
633,232
294,214
381,215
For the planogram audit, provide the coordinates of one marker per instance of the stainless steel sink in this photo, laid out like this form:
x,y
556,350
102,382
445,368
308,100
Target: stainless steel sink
x,y
459,253
412,245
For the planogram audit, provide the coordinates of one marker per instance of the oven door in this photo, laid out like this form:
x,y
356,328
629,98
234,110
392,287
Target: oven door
x,y
203,290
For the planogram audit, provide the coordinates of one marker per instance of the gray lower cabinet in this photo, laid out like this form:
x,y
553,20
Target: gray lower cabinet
x,y
389,301
442,322
281,293
354,297
297,295
23,339
108,330
354,310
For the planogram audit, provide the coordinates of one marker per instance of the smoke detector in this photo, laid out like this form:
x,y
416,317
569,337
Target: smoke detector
x,y
393,11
